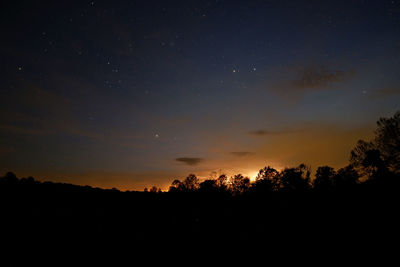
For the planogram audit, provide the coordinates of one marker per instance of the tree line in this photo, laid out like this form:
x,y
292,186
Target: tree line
x,y
376,160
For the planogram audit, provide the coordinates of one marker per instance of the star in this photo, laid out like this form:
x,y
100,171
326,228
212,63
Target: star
x,y
156,136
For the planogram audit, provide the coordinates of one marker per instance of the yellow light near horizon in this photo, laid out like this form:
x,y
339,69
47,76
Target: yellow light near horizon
x,y
253,175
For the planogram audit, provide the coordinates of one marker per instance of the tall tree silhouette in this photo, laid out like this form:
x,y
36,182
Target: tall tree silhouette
x,y
387,140
382,154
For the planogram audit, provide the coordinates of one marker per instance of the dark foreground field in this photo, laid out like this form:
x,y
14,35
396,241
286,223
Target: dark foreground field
x,y
42,221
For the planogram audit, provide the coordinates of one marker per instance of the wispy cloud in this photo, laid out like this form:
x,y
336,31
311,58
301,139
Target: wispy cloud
x,y
190,161
313,77
292,82
267,132
241,153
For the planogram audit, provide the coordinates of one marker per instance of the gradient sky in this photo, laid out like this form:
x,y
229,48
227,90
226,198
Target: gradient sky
x,y
129,94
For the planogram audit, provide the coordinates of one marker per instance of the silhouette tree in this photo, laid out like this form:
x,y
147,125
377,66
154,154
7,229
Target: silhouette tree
x,y
10,178
239,184
324,178
375,158
365,157
208,186
267,180
346,177
191,183
221,182
295,179
27,181
387,141
154,189
176,186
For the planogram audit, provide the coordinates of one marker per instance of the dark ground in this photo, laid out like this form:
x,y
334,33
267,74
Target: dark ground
x,y
58,223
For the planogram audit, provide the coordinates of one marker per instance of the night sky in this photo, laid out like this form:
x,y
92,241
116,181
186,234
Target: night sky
x,y
130,94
